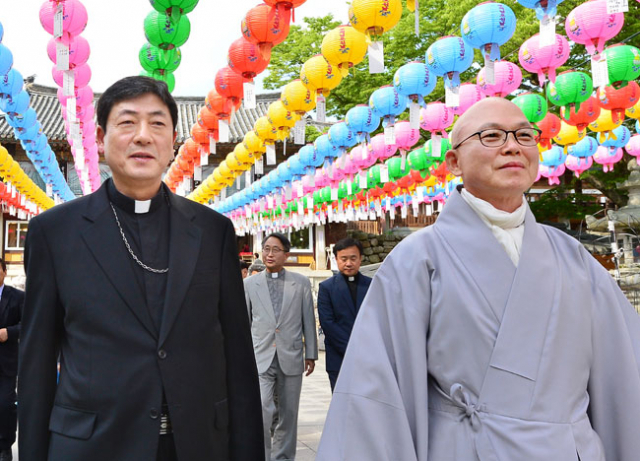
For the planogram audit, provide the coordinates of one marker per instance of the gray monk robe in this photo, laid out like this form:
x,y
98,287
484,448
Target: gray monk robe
x,y
456,354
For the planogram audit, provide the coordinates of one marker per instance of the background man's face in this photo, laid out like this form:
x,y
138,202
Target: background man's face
x,y
349,261
138,142
276,257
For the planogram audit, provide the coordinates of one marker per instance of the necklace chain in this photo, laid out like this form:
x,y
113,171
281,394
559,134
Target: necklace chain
x,y
126,243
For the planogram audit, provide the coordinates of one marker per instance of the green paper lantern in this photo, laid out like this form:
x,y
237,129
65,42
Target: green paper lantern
x,y
419,160
326,194
317,198
395,168
166,77
174,6
570,88
153,58
343,192
623,64
438,157
534,106
164,33
373,176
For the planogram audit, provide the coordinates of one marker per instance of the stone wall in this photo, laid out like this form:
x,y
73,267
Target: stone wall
x,y
376,247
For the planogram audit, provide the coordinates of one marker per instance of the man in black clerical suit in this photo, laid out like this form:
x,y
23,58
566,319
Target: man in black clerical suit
x,y
138,291
11,300
339,299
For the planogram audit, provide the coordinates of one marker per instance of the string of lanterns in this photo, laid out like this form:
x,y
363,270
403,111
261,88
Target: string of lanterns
x,y
15,102
295,194
65,20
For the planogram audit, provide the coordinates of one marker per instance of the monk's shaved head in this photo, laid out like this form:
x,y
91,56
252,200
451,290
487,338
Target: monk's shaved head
x,y
480,114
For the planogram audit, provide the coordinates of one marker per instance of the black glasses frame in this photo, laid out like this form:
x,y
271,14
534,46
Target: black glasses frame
x,y
506,132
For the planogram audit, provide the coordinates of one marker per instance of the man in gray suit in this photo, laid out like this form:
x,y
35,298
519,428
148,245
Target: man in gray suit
x,y
281,313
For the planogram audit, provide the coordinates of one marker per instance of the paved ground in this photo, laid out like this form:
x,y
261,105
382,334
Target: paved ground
x,y
314,403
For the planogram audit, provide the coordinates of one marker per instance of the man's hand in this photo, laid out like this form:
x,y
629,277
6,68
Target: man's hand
x,y
309,366
4,336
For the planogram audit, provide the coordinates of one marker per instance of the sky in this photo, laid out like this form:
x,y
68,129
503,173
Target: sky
x,y
115,33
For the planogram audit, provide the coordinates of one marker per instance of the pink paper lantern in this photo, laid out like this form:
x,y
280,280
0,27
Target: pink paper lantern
x,y
308,186
79,51
633,146
508,78
543,60
470,94
380,150
84,96
590,25
436,118
82,76
578,164
552,173
349,167
74,18
362,157
607,158
321,178
406,137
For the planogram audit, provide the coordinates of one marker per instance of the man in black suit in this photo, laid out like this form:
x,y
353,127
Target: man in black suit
x,y
138,291
11,300
339,299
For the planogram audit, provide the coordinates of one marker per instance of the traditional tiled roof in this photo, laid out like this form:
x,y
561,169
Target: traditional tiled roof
x,y
44,100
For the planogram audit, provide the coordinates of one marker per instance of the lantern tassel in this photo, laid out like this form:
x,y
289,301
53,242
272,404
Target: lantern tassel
x,y
265,50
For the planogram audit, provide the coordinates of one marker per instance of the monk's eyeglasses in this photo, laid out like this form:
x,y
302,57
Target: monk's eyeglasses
x,y
497,137
274,250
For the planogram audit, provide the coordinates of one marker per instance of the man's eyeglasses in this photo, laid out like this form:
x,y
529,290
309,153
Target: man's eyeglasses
x,y
496,137
274,250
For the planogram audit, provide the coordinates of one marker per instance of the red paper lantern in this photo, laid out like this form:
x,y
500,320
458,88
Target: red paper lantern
x,y
230,84
618,100
191,149
266,26
406,182
550,126
207,119
219,105
389,187
588,113
286,3
200,135
246,59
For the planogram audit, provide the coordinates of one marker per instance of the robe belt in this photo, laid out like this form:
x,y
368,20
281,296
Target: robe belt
x,y
459,400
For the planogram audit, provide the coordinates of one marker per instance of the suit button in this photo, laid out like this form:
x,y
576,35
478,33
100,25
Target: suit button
x,y
162,354
153,414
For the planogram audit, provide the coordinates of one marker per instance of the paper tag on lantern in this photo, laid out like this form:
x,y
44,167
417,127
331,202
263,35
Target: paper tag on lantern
x,y
71,111
80,157
212,146
617,6
223,131
599,70
420,194
68,82
392,213
299,131
249,96
547,31
417,17
349,187
403,159
49,189
271,154
288,192
387,203
384,173
489,71
284,147
259,165
237,182
334,193
436,145
269,201
362,178
204,157
248,178
197,173
372,215
403,213
321,108
429,209
57,20
415,205
452,96
389,135
330,213
186,184
62,56
376,57
414,115
74,130
378,207
299,189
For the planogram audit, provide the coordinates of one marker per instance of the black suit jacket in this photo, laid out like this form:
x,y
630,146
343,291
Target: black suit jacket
x,y
83,301
10,313
337,315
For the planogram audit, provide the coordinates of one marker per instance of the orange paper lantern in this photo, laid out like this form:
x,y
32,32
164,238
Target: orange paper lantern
x,y
246,59
266,26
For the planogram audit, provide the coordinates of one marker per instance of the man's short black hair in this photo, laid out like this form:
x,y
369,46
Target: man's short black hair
x,y
346,243
286,244
133,87
256,267
3,264
244,265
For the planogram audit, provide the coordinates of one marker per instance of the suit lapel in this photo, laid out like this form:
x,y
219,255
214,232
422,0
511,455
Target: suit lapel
x,y
361,292
289,291
104,241
263,293
184,246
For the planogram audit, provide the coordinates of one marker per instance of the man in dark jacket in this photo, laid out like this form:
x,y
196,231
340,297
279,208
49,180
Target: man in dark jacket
x,y
339,299
11,300
139,292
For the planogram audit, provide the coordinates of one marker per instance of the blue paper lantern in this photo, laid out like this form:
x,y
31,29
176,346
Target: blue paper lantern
x,y
10,84
15,105
326,149
295,166
584,148
487,27
24,121
30,134
6,59
414,81
618,138
1,31
309,157
341,136
387,103
284,173
553,157
362,121
448,57
638,126
549,10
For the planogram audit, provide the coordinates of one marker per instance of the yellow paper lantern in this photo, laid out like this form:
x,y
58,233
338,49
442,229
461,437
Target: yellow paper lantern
x,y
298,98
318,75
604,125
281,117
254,145
6,165
225,171
265,130
344,47
568,135
375,17
4,154
634,111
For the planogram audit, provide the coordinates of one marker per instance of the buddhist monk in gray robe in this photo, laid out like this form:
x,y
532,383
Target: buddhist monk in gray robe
x,y
488,336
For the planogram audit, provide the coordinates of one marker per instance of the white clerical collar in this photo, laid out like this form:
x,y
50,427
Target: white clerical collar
x,y
275,275
351,278
142,206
